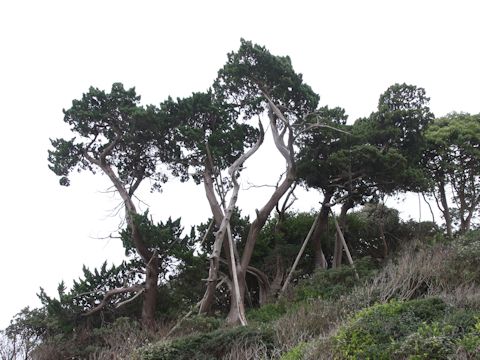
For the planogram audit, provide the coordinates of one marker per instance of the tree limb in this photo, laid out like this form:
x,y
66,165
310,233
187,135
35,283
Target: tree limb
x,y
109,294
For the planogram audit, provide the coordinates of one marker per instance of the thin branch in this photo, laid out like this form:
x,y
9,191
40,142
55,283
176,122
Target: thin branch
x,y
429,206
300,253
111,293
253,186
120,304
313,126
210,226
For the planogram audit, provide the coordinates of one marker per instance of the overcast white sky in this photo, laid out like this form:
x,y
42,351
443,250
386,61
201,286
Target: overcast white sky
x,y
52,51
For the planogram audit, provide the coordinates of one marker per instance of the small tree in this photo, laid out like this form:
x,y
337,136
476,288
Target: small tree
x,y
114,134
452,159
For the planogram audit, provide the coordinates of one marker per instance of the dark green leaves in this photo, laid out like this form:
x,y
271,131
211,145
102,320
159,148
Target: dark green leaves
x,y
113,130
252,73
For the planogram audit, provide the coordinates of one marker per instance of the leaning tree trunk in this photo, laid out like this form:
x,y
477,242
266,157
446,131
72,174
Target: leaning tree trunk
x,y
223,223
342,221
150,259
235,316
287,151
151,293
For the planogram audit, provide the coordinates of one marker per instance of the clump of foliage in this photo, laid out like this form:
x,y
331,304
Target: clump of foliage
x,y
197,324
210,345
332,283
269,312
295,353
421,329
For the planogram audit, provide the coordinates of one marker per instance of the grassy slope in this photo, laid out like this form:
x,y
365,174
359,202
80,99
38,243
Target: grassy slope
x,y
425,303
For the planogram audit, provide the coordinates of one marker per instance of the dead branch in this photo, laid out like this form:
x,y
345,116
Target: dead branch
x,y
120,304
210,226
109,294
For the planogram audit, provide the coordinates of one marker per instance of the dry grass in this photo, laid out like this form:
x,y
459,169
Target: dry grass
x,y
242,350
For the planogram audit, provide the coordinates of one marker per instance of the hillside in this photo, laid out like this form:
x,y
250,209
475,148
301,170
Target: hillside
x,y
423,303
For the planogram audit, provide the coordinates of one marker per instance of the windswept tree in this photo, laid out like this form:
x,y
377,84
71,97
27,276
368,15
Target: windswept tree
x,y
375,156
452,160
214,141
256,83
318,167
113,134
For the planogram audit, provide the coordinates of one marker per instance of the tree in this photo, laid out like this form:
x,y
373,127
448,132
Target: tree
x,y
376,155
452,159
213,141
318,168
116,135
257,82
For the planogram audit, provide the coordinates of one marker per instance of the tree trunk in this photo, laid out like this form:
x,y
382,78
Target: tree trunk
x,y
209,296
222,218
445,211
345,246
150,259
321,226
150,296
234,317
276,284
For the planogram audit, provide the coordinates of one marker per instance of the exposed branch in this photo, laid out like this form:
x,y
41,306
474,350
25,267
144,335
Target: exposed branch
x,y
111,293
300,253
344,243
210,226
109,148
239,162
429,206
120,304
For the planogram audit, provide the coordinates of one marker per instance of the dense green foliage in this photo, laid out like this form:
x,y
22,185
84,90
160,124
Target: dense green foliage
x,y
416,329
210,345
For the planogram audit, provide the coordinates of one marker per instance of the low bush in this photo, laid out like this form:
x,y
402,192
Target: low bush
x,y
268,313
295,353
333,283
212,345
197,324
416,329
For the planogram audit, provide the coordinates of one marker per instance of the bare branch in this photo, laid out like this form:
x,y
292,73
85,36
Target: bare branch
x,y
210,226
111,293
239,162
313,126
120,304
253,186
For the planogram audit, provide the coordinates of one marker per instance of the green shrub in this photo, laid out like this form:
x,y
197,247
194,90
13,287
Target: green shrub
x,y
463,265
198,324
267,313
469,344
206,346
332,283
295,353
416,329
430,341
375,332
